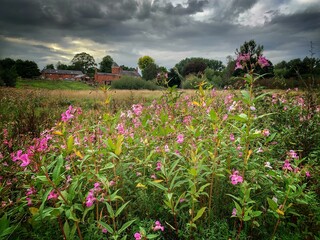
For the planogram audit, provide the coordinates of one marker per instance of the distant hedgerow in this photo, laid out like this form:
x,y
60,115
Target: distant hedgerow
x,y
127,82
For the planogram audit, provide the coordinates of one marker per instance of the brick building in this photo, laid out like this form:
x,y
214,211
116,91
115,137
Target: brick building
x,y
116,73
60,74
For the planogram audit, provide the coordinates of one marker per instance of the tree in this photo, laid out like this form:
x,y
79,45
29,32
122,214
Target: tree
x,y
150,71
61,66
126,68
250,47
174,78
144,61
27,69
49,66
248,57
105,64
83,61
8,73
195,67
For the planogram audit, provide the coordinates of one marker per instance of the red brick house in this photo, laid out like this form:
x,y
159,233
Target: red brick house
x,y
116,73
60,74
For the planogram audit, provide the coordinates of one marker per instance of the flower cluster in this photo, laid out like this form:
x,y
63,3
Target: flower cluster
x,y
67,115
244,60
235,178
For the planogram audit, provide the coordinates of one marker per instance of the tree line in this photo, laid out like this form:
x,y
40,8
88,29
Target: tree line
x,y
194,69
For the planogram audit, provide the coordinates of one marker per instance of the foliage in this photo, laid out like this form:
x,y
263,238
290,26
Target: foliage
x,y
150,71
27,69
8,77
83,62
194,67
174,79
179,167
106,64
192,82
215,65
49,66
126,68
144,61
52,84
126,82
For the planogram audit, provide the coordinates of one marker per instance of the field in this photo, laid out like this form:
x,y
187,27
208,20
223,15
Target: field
x,y
118,164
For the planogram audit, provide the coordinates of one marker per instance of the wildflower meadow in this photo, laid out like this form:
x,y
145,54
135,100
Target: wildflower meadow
x,y
239,165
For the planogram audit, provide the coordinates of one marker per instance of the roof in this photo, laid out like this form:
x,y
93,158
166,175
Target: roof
x,y
110,74
114,64
54,71
130,73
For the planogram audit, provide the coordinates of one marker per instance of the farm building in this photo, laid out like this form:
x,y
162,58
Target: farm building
x,y
61,74
116,73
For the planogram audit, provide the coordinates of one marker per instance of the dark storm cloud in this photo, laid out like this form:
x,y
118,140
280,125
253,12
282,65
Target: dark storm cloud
x,y
133,27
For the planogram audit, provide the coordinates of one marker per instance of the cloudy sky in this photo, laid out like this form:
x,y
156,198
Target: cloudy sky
x,y
48,31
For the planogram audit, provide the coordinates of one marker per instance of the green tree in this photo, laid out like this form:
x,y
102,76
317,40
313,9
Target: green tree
x,y
150,71
144,61
8,73
83,62
61,66
174,78
49,66
250,47
27,69
105,64
126,68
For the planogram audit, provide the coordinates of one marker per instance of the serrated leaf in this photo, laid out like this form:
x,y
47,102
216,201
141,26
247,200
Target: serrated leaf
x,y
57,170
158,185
125,226
118,148
70,143
121,209
199,214
106,226
272,204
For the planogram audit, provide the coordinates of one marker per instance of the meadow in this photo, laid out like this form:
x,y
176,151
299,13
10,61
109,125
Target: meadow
x,y
117,164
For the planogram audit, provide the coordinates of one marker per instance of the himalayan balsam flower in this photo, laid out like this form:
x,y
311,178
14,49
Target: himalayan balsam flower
x,y
137,236
267,165
104,230
21,157
235,178
234,212
293,154
232,137
308,174
90,199
180,138
158,168
66,116
287,165
265,132
158,226
29,201
53,195
263,62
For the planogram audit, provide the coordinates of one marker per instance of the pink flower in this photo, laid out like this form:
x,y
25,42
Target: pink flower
x,y
104,230
308,174
235,178
158,226
287,165
31,191
238,66
166,148
180,138
137,236
263,62
29,201
67,115
232,137
265,132
234,212
158,168
293,154
112,183
90,199
21,157
137,109
52,195
97,187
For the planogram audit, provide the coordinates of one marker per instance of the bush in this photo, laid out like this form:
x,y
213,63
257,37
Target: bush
x,y
192,82
127,82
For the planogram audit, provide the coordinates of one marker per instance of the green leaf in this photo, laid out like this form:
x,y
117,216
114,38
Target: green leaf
x,y
110,210
272,204
121,209
106,226
57,170
125,226
256,213
199,214
70,143
152,236
213,115
66,229
158,185
118,148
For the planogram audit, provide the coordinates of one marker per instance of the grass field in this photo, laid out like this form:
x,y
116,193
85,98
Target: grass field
x,y
52,84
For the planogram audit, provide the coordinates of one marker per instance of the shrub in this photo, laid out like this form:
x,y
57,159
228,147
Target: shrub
x,y
192,82
127,82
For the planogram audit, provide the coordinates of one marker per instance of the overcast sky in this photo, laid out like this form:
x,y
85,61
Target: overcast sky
x,y
48,31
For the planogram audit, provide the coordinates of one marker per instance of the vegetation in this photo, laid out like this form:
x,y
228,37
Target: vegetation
x,y
238,165
106,64
127,82
52,84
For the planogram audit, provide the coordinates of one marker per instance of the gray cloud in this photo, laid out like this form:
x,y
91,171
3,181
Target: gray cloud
x,y
46,30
